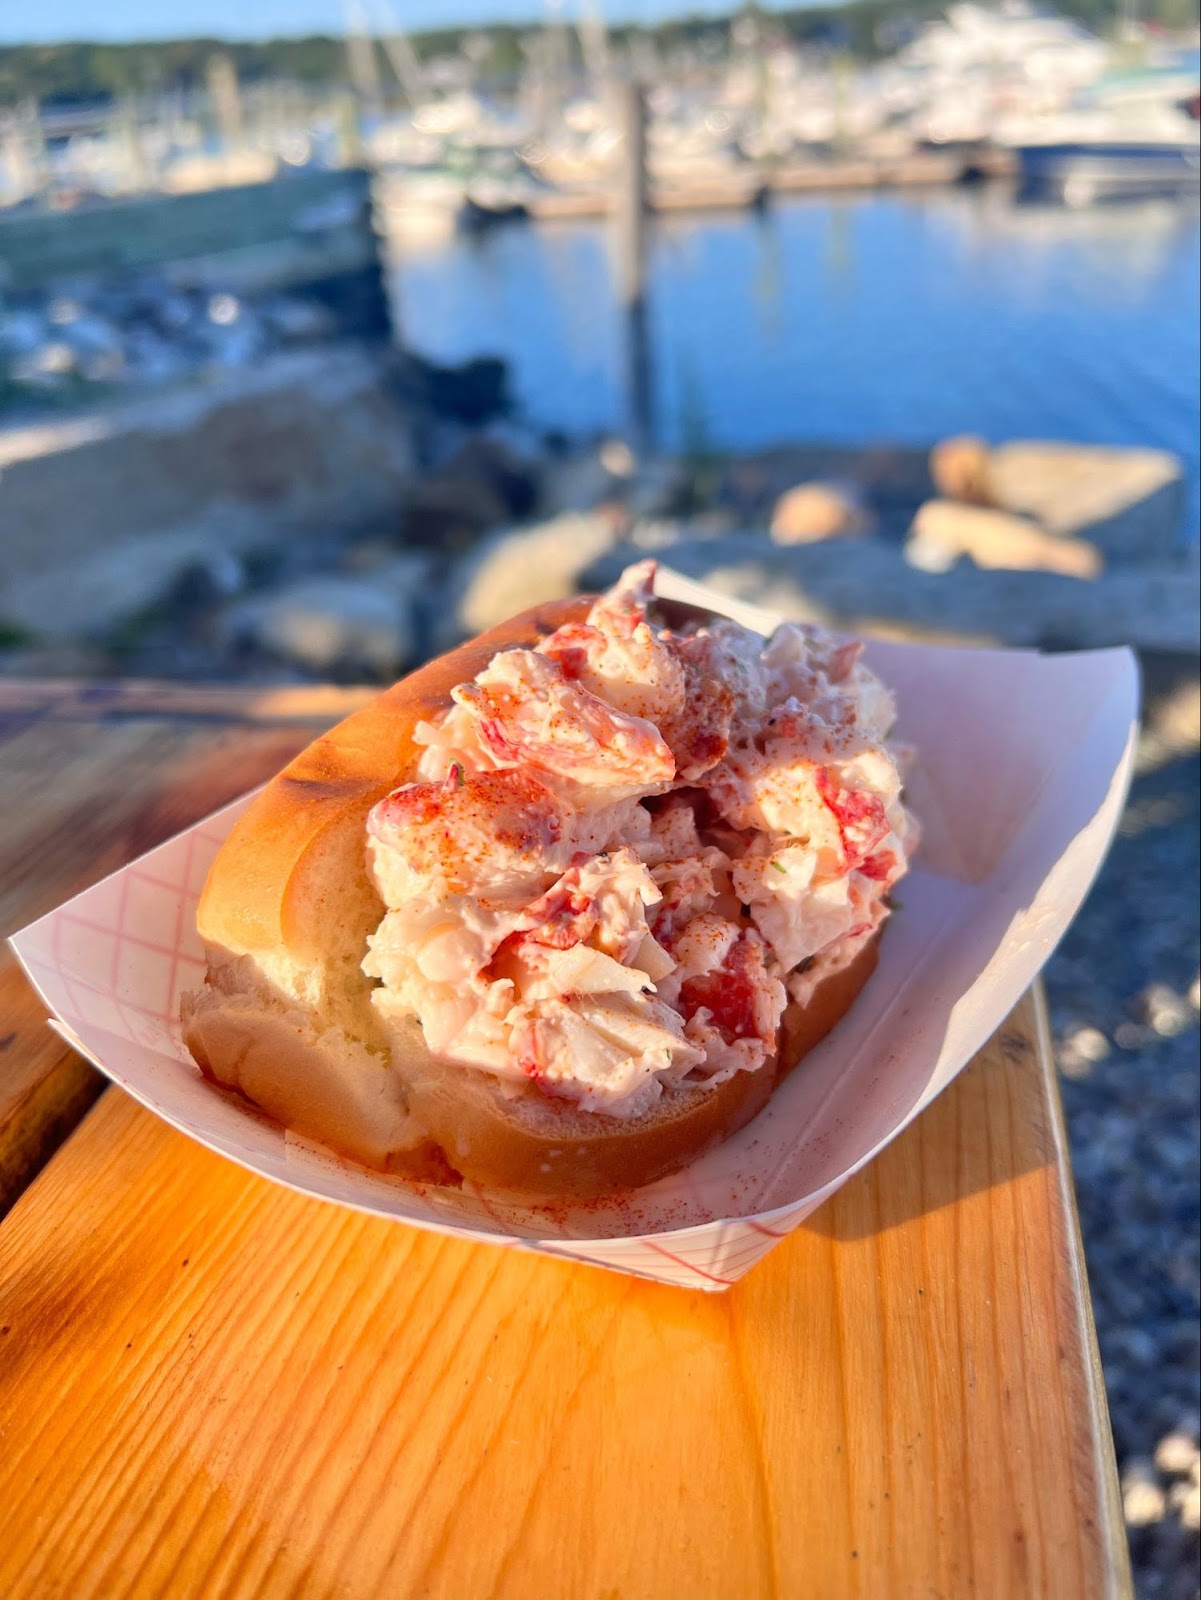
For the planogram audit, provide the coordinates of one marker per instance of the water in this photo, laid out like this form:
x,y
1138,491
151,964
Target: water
x,y
846,320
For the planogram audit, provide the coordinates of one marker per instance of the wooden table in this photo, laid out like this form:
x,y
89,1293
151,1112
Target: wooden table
x,y
212,1386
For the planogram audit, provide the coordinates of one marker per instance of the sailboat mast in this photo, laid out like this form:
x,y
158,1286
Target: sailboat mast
x,y
360,58
594,46
400,53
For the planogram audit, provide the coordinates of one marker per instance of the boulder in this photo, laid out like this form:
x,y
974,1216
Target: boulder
x,y
945,530
523,567
329,625
809,512
473,393
588,478
483,484
886,475
609,474
1129,503
960,470
658,488
128,499
867,584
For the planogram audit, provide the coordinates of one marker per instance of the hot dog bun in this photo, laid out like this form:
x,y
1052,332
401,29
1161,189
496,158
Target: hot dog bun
x,y
285,1016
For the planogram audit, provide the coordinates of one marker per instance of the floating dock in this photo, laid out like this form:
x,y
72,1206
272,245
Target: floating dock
x,y
733,192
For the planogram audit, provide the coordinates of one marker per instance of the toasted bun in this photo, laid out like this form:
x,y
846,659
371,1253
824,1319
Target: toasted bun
x,y
285,1017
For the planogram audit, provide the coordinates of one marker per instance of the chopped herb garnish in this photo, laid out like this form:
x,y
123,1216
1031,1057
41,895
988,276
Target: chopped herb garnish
x,y
780,867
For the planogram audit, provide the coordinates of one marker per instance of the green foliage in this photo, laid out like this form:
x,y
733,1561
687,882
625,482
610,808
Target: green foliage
x,y
88,72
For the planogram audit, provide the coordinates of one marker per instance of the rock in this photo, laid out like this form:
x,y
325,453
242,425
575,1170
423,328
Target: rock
x,y
1143,1501
91,335
651,536
1130,503
868,583
1173,727
480,486
47,365
297,320
608,474
659,488
523,567
214,576
1167,1012
617,457
1175,1454
1186,1502
333,624
1081,1051
944,530
522,440
21,332
960,469
127,499
587,479
29,659
473,393
888,476
812,511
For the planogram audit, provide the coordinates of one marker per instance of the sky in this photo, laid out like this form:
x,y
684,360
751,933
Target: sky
x,y
54,20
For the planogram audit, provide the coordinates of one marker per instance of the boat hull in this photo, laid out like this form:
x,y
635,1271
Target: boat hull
x,y
1081,173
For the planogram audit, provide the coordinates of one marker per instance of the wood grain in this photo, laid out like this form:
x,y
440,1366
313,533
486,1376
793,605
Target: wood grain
x,y
212,1386
90,777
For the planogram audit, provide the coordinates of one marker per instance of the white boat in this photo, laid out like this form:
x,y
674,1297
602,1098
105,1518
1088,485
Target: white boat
x,y
419,208
1134,135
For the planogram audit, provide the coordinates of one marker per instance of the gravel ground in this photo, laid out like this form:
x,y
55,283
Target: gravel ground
x,y
1123,991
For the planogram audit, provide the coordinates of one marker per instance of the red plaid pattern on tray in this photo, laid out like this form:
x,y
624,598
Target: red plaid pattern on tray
x,y
1023,769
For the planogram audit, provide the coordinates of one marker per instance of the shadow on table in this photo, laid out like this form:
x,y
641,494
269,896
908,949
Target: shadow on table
x,y
998,1122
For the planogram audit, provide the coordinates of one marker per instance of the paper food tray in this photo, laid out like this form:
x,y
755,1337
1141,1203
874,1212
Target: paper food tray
x,y
1023,761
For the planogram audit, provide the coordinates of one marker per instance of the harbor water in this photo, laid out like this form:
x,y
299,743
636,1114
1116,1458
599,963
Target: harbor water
x,y
844,320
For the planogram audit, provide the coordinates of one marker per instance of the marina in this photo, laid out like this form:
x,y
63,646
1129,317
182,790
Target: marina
x,y
851,319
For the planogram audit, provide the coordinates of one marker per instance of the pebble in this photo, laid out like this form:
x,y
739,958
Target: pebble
x,y
1081,1050
1175,1454
1168,1013
1130,1036
1185,1499
1143,1501
141,333
1127,971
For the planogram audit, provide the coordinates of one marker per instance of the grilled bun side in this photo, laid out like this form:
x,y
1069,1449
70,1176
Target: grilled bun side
x,y
285,1016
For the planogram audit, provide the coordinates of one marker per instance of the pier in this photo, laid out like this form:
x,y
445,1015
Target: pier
x,y
736,192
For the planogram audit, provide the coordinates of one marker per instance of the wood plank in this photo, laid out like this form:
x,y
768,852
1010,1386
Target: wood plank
x,y
90,777
209,1385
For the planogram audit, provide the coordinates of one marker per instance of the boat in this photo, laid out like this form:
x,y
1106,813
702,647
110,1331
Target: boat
x,y
1135,135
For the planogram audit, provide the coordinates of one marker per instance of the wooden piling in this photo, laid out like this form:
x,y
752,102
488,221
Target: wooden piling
x,y
630,213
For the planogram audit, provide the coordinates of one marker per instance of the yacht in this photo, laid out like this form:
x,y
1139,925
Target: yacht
x,y
1132,135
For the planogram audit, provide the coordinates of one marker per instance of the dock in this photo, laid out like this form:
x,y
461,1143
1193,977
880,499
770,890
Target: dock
x,y
743,191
